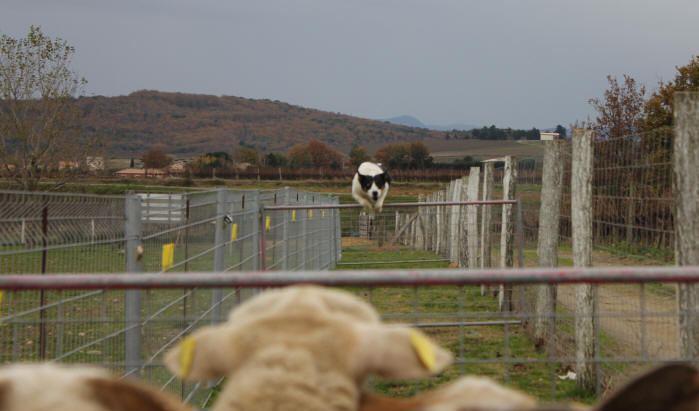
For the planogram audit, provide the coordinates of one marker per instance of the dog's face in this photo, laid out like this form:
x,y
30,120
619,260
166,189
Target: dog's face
x,y
373,185
373,179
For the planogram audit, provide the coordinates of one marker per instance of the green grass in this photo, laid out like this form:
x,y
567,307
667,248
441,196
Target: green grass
x,y
481,346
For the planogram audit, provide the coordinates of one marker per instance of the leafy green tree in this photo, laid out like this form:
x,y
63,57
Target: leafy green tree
x,y
419,153
358,155
404,155
40,125
562,132
276,160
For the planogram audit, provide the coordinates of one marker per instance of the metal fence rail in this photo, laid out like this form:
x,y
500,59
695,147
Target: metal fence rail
x,y
127,330
446,304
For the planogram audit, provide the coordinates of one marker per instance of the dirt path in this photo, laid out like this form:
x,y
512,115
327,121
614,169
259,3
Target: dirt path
x,y
650,332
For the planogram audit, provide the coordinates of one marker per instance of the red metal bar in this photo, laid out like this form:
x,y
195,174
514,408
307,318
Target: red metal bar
x,y
685,274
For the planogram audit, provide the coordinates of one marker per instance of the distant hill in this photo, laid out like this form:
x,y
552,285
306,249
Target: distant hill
x,y
186,125
411,121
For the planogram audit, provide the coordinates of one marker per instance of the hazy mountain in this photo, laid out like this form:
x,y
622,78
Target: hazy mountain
x,y
411,121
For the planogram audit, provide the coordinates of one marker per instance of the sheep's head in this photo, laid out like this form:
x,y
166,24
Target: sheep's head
x,y
305,347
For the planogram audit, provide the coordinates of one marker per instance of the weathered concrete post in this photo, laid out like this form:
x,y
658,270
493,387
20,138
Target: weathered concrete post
x,y
507,233
685,163
581,203
547,249
486,217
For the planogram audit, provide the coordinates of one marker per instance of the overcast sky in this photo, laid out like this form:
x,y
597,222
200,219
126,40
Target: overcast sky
x,y
517,63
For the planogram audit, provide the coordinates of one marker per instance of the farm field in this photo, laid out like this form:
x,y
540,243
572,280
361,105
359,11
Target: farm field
x,y
445,151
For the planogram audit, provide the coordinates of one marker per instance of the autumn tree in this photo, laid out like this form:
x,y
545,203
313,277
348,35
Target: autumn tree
x,y
299,157
323,156
39,122
658,109
247,155
358,155
620,112
155,159
658,138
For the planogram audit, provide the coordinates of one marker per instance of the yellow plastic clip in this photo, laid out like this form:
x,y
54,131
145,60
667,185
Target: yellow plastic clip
x,y
322,214
293,215
310,214
423,349
168,255
187,348
234,232
268,223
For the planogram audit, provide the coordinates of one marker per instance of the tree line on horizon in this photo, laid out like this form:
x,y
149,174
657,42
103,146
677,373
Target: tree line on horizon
x,y
316,155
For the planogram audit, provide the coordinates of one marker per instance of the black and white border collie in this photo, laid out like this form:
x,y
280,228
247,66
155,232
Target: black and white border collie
x,y
370,186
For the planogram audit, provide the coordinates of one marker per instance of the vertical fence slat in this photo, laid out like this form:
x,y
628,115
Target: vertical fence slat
x,y
686,187
132,302
507,233
472,238
581,203
486,218
547,247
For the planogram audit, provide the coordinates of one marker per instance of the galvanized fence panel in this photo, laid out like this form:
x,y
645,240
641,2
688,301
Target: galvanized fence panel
x,y
446,304
127,331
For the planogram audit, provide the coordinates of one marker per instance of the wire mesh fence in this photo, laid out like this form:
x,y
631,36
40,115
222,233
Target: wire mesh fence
x,y
445,304
127,331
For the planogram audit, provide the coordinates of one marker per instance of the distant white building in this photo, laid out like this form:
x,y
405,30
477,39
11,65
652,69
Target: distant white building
x,y
549,136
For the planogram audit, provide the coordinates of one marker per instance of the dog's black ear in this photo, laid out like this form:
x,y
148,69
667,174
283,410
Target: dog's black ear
x,y
669,387
387,176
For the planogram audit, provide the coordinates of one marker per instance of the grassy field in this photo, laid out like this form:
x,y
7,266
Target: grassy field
x,y
505,353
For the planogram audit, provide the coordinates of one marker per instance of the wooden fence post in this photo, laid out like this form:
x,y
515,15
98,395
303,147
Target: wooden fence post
x,y
454,194
507,233
420,233
581,210
472,218
547,247
486,218
685,164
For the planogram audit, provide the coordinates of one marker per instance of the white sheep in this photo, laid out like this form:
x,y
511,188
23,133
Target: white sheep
x,y
52,387
302,348
312,348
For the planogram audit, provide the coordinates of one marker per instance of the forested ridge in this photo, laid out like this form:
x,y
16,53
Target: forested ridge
x,y
190,124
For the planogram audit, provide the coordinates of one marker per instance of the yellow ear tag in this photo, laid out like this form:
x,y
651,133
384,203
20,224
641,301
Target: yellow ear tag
x,y
187,355
423,349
